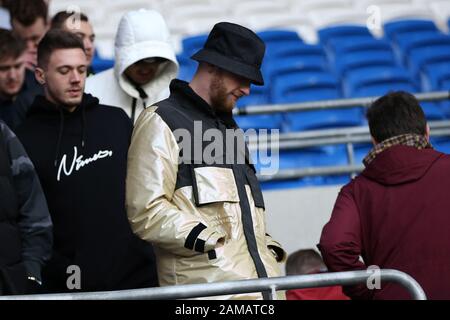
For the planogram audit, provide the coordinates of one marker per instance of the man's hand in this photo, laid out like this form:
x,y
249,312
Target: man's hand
x,y
220,243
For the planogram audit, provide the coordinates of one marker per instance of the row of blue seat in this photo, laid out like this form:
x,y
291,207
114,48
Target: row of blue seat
x,y
323,157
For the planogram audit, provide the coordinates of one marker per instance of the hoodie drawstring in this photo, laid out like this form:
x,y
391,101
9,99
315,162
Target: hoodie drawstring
x,y
133,109
61,131
60,134
83,127
143,95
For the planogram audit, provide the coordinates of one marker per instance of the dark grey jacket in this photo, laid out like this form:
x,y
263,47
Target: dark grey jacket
x,y
25,224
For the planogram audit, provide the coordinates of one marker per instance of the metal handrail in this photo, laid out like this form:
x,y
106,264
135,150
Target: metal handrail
x,y
310,138
331,104
242,286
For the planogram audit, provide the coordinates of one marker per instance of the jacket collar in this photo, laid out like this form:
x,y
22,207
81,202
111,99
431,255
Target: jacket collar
x,y
187,94
401,164
412,140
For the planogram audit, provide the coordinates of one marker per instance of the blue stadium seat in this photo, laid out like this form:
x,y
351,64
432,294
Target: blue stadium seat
x,y
332,155
258,96
435,76
421,57
279,67
399,27
291,183
357,60
294,49
260,121
445,84
99,64
338,33
270,36
420,40
306,158
445,106
323,119
359,44
433,110
294,159
380,88
409,39
312,86
441,144
375,82
254,99
193,44
304,86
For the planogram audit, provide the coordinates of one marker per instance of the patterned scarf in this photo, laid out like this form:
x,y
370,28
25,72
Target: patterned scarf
x,y
411,140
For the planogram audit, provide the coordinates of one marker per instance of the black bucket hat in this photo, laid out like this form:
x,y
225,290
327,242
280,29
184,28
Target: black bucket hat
x,y
236,49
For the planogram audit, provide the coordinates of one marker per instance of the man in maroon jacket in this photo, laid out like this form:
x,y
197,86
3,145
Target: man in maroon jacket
x,y
396,213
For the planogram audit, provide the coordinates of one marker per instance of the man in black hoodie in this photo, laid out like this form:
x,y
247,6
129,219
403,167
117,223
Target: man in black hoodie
x,y
79,148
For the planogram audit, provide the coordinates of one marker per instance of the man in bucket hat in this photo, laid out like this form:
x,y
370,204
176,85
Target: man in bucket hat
x,y
203,212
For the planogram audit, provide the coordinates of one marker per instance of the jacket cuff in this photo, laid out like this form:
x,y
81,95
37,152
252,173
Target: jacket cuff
x,y
33,269
202,239
211,241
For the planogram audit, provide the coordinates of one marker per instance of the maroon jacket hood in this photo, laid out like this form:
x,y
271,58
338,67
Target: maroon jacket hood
x,y
400,164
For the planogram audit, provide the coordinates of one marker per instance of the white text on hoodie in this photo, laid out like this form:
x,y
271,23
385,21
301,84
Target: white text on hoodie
x,y
78,162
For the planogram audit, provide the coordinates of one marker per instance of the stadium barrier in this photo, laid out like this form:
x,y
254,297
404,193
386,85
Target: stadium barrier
x,y
244,286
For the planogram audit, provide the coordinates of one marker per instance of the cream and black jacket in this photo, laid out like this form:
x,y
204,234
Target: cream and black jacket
x,y
185,208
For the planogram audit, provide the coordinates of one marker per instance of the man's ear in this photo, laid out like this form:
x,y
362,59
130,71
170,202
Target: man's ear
x,y
39,74
427,133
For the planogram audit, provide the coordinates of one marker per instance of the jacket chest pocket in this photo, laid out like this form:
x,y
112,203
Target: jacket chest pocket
x,y
213,184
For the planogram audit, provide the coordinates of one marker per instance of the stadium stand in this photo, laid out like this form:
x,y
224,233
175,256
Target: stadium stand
x,y
316,50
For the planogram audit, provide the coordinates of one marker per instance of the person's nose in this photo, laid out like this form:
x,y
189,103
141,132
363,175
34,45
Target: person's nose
x,y
245,89
32,45
75,76
13,73
88,45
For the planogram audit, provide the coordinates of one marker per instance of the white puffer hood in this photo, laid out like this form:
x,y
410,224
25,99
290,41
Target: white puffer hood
x,y
143,34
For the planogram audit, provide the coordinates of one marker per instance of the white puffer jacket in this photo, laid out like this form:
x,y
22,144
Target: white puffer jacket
x,y
141,34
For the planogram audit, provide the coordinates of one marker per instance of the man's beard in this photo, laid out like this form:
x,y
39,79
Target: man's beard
x,y
219,97
62,101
